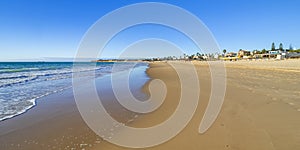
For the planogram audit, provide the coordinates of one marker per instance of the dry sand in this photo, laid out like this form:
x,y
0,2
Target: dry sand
x,y
261,111
261,108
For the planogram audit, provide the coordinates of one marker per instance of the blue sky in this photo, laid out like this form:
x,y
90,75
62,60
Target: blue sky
x,y
33,29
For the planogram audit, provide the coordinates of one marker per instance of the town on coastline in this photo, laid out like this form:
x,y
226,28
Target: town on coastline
x,y
272,54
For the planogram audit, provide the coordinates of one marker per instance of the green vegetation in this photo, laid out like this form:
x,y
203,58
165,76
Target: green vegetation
x,y
281,47
256,52
291,47
273,47
297,51
233,55
224,51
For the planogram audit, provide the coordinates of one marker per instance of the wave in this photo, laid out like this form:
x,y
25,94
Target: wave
x,y
19,89
32,103
11,70
12,81
46,74
5,117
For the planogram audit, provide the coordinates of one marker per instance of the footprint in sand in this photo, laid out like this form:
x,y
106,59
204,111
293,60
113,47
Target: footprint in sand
x,y
274,98
131,120
292,104
97,142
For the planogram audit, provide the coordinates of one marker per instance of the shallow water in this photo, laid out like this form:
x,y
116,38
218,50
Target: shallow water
x,y
21,83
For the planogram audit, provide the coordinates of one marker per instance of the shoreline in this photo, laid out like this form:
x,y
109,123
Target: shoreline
x,y
34,104
55,121
259,106
255,108
21,112
32,100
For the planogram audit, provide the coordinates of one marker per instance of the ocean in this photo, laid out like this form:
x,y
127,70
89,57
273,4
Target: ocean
x,y
22,83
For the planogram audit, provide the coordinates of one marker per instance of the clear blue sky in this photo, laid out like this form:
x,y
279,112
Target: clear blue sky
x,y
31,29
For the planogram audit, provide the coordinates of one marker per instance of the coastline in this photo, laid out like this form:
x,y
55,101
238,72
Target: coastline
x,y
261,106
55,122
34,103
260,111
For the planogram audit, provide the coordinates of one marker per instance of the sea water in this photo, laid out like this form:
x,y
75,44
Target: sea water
x,y
22,83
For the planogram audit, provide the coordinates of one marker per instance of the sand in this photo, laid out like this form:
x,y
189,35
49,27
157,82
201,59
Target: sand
x,y
261,110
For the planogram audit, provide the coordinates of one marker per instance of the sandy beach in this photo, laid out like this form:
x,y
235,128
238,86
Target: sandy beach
x,y
261,111
149,75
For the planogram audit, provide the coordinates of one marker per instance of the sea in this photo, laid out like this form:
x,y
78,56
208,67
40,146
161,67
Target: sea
x,y
22,83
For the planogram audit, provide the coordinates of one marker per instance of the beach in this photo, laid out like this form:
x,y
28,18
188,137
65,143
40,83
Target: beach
x,y
261,111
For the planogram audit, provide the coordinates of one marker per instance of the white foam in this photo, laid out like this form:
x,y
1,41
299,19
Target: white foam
x,y
20,112
24,88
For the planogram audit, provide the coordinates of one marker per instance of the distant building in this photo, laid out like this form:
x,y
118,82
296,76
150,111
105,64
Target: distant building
x,y
280,57
260,56
195,57
275,52
216,56
231,54
243,53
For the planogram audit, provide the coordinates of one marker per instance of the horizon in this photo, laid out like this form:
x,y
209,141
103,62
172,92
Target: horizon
x,y
71,59
52,29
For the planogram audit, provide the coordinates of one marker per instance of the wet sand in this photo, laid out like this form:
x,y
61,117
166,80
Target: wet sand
x,y
261,111
55,122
